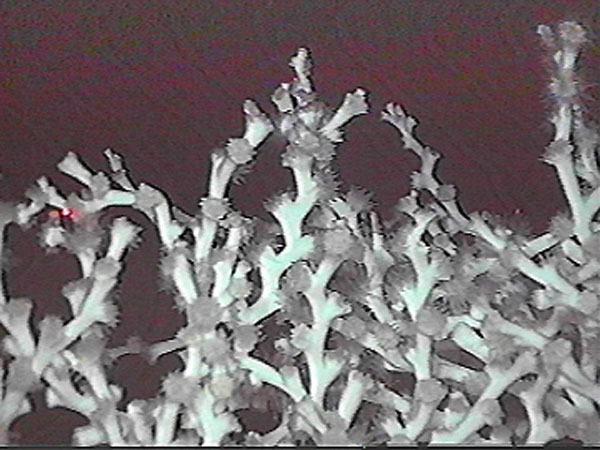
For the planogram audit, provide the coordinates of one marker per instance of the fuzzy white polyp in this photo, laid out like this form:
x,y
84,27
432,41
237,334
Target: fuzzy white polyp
x,y
123,234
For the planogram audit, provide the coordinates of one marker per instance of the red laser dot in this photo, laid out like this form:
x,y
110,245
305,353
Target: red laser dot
x,y
66,212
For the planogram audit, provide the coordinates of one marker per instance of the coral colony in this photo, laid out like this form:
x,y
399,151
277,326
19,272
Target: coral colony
x,y
430,275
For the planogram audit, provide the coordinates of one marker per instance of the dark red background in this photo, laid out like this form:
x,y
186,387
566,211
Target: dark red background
x,y
162,83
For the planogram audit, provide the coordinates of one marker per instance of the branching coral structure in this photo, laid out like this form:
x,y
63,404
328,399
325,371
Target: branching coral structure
x,y
361,302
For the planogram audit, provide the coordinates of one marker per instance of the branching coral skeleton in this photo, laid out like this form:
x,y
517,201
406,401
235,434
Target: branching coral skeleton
x,y
328,375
